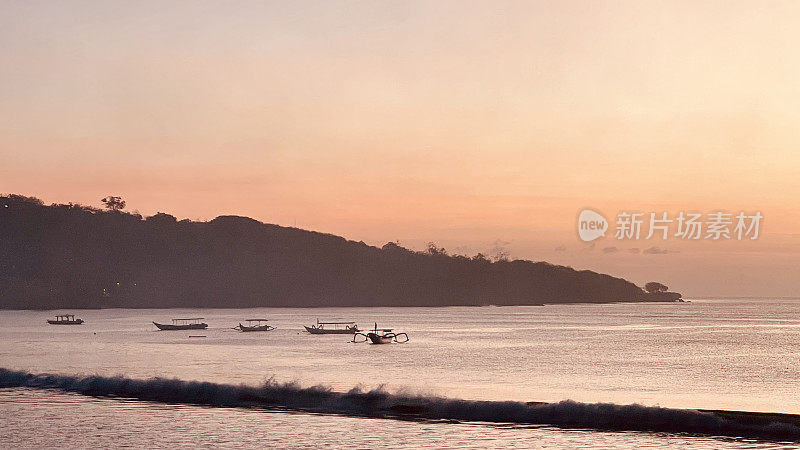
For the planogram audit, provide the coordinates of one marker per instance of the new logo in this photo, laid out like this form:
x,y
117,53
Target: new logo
x,y
591,225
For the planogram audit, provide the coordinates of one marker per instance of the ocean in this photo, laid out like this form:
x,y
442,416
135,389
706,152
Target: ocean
x,y
463,380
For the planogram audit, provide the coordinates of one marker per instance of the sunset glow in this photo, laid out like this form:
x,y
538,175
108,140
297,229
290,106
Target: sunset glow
x,y
473,125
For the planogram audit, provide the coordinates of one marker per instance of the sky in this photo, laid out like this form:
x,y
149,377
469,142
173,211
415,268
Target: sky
x,y
481,126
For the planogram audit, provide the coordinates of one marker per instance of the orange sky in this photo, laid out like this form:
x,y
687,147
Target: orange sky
x,y
472,124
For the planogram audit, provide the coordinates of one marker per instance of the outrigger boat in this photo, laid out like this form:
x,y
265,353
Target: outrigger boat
x,y
381,336
183,324
65,319
332,328
254,325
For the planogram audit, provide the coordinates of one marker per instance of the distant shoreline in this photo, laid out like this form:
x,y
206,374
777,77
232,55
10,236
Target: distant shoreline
x,y
744,297
78,257
342,307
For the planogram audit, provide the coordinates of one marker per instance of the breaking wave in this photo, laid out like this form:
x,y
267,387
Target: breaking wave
x,y
379,403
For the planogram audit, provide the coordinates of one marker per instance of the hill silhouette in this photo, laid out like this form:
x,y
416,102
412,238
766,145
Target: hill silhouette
x,y
74,256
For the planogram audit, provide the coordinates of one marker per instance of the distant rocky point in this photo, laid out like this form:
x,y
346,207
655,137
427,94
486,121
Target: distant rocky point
x,y
663,297
658,292
74,256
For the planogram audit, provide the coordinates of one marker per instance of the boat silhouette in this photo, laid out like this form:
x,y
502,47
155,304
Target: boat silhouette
x,y
183,324
332,328
65,319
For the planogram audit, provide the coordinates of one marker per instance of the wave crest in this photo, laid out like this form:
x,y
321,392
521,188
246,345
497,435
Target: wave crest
x,y
380,403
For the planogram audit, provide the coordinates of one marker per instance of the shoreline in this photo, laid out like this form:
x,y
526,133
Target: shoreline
x,y
537,305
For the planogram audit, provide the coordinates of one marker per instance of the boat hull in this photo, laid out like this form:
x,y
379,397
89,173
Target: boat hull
x,y
170,327
380,339
313,330
65,322
255,328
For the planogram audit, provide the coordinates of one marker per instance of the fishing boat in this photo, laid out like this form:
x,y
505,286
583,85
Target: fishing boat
x,y
380,336
65,319
254,325
332,328
183,324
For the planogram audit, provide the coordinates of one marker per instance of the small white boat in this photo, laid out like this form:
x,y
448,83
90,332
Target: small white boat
x,y
380,336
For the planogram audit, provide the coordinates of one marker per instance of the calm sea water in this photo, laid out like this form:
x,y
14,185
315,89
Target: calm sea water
x,y
713,354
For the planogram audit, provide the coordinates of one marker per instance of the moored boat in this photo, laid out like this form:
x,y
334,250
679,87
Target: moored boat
x,y
332,328
254,325
65,319
183,324
380,336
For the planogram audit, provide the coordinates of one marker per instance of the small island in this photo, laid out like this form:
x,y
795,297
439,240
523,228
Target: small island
x,y
76,256
657,292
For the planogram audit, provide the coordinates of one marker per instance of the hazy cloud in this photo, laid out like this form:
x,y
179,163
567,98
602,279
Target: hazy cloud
x,y
464,250
499,251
